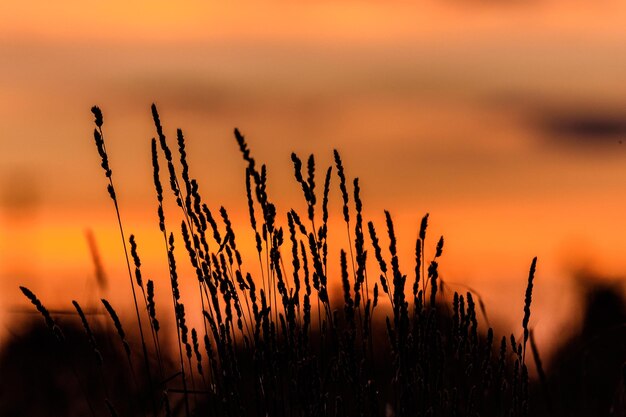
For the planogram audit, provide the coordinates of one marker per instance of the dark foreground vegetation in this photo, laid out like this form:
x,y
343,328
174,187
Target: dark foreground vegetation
x,y
279,343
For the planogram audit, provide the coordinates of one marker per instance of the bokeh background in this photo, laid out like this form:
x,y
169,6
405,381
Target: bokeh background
x,y
502,119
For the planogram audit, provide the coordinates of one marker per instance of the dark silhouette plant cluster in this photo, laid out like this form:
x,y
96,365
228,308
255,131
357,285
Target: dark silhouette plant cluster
x,y
277,343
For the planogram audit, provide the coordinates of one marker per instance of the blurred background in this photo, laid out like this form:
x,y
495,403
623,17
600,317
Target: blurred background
x,y
503,120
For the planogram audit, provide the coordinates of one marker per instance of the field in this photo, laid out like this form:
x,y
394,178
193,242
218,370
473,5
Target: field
x,y
294,335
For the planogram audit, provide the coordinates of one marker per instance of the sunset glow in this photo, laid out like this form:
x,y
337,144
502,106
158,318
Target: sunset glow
x,y
505,122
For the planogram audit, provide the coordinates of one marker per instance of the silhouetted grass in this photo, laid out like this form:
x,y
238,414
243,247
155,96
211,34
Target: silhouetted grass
x,y
275,344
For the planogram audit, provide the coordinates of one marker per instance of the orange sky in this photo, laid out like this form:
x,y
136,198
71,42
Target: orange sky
x,y
320,20
477,112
